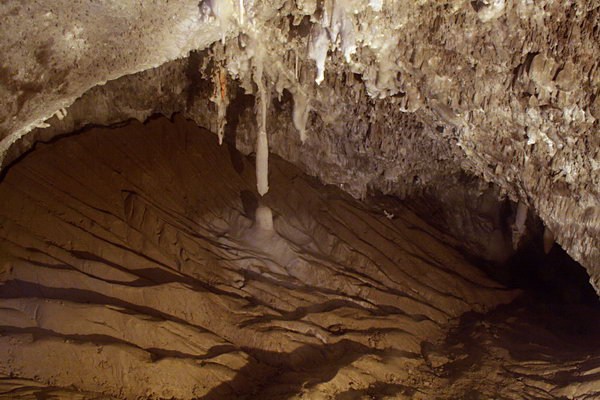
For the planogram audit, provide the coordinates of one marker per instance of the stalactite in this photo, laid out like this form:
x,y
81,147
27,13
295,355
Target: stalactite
x,y
518,228
61,114
262,142
221,99
342,28
242,12
317,50
301,112
223,11
376,5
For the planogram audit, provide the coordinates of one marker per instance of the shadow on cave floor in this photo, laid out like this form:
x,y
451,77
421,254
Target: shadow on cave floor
x,y
543,345
286,374
527,349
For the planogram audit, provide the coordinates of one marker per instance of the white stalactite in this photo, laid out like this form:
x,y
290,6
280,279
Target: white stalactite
x,y
262,142
301,112
376,5
262,163
223,10
317,51
242,11
342,28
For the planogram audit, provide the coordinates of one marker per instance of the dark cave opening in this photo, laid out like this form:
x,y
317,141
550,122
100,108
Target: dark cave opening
x,y
554,277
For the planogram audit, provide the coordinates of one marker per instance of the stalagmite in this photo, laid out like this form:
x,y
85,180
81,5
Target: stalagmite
x,y
263,218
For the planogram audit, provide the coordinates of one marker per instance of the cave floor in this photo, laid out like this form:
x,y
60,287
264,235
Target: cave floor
x,y
131,267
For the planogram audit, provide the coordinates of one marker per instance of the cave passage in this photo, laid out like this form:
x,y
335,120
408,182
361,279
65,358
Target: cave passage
x,y
139,262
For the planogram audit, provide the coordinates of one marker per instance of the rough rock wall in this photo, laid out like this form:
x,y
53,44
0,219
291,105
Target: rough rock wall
x,y
53,52
505,90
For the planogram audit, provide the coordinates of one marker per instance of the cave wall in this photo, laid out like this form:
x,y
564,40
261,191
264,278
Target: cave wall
x,y
414,95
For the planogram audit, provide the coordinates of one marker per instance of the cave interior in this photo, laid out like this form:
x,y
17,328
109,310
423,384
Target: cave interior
x,y
300,199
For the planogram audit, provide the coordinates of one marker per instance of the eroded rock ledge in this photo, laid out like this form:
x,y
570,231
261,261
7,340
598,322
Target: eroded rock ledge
x,y
413,95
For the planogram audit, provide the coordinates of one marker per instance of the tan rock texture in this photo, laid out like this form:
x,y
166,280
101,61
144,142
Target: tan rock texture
x,y
414,94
